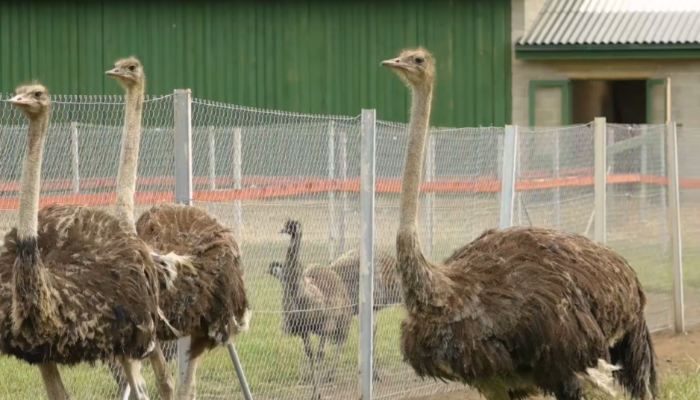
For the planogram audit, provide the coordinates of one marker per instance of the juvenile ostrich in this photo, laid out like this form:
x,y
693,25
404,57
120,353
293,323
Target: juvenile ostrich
x,y
129,73
518,311
387,282
314,301
208,301
76,284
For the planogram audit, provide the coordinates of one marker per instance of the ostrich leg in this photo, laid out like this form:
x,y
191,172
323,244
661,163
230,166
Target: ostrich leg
x,y
187,390
132,370
52,382
307,376
317,369
160,370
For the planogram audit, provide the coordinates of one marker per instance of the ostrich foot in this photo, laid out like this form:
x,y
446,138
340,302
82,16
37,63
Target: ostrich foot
x,y
375,376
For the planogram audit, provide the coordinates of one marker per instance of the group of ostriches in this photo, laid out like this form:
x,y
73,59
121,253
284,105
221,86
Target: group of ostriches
x,y
515,313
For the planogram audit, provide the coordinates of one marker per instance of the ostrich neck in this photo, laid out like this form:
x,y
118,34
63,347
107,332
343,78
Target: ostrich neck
x,y
292,269
417,132
129,156
418,276
31,179
31,291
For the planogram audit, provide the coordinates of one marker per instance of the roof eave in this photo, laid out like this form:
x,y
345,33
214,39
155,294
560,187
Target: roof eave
x,y
607,51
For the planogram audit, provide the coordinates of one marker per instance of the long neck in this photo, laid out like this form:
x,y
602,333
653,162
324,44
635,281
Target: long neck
x,y
292,268
413,165
129,156
32,293
31,179
418,277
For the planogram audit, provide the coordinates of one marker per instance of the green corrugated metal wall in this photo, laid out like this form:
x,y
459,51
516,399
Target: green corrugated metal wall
x,y
307,56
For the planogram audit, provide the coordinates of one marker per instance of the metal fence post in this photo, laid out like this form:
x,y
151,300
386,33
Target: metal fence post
x,y
343,142
510,144
600,161
643,170
75,156
211,137
183,187
557,189
674,216
237,156
367,182
430,196
331,193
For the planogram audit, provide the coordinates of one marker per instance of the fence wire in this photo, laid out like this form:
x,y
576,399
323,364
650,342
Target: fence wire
x,y
258,169
81,155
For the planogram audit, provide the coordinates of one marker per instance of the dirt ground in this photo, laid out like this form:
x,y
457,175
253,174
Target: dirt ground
x,y
675,353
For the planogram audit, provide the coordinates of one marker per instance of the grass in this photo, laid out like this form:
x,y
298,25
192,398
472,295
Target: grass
x,y
272,360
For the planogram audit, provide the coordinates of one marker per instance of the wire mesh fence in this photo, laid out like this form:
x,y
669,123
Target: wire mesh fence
x,y
257,170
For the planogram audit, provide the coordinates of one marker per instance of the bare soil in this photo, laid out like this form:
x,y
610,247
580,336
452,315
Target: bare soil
x,y
675,353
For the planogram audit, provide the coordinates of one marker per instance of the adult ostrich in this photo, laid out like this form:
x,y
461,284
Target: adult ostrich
x,y
130,75
76,284
208,301
518,311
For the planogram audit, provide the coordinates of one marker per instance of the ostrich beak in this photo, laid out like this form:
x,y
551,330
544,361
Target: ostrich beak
x,y
113,72
19,100
393,63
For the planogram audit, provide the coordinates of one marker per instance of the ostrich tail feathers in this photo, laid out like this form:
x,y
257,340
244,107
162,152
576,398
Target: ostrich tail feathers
x,y
599,381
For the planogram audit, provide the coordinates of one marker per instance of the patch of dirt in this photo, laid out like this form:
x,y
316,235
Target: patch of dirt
x,y
674,352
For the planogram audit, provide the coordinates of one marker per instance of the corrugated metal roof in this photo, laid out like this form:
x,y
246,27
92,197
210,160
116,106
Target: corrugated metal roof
x,y
585,22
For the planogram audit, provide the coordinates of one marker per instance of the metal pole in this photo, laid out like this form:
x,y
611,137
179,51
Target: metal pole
x,y
430,196
600,167
367,181
233,354
510,143
674,216
183,187
211,134
238,181
644,170
344,194
557,189
75,156
331,193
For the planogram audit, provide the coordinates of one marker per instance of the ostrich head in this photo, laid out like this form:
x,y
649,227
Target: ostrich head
x,y
291,227
128,72
416,67
275,269
32,99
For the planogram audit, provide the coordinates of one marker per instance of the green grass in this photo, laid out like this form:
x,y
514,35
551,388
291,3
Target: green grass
x,y
272,360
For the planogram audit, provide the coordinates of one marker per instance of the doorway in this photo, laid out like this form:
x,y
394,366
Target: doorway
x,y
619,101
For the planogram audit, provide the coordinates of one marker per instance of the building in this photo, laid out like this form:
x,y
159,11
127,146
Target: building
x,y
307,56
578,59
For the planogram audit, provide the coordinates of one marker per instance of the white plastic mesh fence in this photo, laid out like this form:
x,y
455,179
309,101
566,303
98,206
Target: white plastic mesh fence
x,y
81,155
689,176
637,213
256,169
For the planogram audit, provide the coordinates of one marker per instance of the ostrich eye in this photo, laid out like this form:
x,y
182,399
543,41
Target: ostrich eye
x,y
419,60
37,94
132,68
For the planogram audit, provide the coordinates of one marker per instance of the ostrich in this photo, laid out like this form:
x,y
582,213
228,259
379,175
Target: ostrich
x,y
208,301
76,284
315,301
129,73
387,284
518,311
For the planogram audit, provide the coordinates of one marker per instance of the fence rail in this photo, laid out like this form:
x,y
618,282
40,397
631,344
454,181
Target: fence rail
x,y
254,169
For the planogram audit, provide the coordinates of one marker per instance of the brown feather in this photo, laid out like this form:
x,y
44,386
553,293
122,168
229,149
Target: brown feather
x,y
101,291
209,300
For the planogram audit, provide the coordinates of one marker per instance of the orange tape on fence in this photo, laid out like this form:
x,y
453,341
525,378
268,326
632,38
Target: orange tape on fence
x,y
289,186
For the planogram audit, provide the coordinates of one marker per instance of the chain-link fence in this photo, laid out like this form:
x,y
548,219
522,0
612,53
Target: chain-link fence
x,y
256,170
